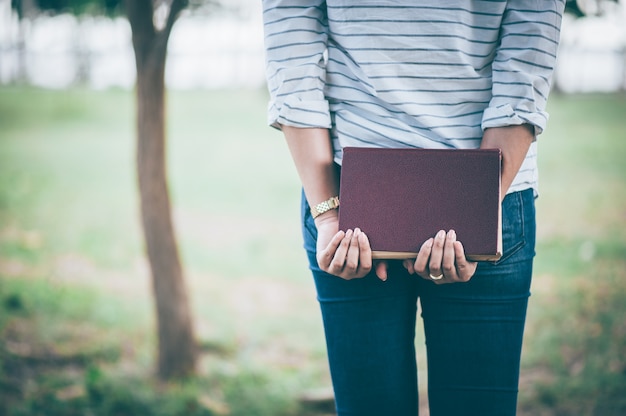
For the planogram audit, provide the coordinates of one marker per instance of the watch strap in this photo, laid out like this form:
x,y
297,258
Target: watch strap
x,y
325,206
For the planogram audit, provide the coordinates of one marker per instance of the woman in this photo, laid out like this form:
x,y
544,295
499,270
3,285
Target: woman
x,y
454,74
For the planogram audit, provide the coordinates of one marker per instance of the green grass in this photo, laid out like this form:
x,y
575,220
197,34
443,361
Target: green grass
x,y
69,227
76,313
574,348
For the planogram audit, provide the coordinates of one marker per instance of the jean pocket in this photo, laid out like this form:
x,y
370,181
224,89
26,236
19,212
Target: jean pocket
x,y
517,227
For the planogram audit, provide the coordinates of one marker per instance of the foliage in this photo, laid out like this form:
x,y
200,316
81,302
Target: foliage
x,y
105,7
108,7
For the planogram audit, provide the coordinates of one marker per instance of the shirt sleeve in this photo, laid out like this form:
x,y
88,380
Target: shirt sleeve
x,y
296,34
524,63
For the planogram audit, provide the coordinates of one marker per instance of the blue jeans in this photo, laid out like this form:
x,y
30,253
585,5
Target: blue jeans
x,y
473,330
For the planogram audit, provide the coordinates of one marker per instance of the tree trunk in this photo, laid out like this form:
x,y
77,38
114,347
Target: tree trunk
x,y
177,350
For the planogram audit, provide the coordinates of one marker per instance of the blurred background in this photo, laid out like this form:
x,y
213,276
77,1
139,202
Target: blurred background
x,y
79,333
222,47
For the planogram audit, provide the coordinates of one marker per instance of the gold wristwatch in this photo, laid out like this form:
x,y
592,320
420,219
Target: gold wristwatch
x,y
322,207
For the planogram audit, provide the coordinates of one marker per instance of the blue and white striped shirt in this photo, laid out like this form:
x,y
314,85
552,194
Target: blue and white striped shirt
x,y
410,73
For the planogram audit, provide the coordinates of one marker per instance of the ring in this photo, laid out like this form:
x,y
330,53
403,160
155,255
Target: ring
x,y
436,277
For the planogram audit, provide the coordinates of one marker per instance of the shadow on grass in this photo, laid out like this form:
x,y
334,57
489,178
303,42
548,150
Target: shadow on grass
x,y
575,363
59,358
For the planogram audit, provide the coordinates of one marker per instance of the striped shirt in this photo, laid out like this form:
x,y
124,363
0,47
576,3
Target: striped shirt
x,y
411,73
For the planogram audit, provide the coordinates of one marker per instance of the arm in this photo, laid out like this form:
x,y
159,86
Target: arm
x,y
344,254
295,42
521,71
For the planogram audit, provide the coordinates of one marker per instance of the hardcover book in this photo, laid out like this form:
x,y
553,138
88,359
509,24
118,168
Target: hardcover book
x,y
402,197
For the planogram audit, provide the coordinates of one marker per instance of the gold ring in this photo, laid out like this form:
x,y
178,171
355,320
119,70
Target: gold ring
x,y
436,277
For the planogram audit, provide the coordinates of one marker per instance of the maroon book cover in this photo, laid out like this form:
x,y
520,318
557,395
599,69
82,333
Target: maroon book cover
x,y
402,197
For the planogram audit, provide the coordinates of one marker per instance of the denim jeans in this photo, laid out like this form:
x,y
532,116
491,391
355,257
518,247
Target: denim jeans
x,y
473,330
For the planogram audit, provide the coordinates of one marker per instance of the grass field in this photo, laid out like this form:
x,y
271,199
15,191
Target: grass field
x,y
76,318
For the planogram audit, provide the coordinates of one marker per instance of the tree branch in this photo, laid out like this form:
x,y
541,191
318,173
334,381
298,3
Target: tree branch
x,y
176,7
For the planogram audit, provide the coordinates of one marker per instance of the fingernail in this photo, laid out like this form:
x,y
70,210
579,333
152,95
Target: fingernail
x,y
441,234
452,234
429,243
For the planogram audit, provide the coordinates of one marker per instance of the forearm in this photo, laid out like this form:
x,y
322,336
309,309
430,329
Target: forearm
x,y
295,42
514,142
312,153
346,254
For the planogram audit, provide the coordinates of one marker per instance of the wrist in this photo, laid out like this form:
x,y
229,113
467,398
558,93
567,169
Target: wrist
x,y
327,218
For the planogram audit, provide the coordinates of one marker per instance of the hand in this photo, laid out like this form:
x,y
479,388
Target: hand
x,y
442,255
344,254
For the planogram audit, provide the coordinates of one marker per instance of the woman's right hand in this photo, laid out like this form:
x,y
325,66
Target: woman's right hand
x,y
344,254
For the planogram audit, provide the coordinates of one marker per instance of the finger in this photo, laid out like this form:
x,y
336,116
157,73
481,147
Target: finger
x,y
449,257
365,254
339,259
421,262
381,270
325,256
352,256
465,268
409,265
436,255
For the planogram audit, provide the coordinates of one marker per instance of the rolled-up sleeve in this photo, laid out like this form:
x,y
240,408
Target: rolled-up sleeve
x,y
296,34
524,64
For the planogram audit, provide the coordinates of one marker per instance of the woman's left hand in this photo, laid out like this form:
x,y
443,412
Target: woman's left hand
x,y
442,260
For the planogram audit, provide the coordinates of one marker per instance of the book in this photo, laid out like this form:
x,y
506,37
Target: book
x,y
401,197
